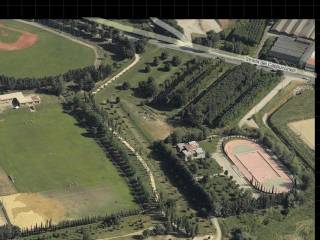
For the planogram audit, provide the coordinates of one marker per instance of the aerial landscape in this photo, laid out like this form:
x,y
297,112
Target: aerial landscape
x,y
157,129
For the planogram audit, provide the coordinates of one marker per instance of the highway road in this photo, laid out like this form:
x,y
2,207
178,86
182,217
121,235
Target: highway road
x,y
173,43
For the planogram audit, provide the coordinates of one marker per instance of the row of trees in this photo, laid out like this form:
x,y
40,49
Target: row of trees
x,y
227,96
79,79
184,85
99,124
86,29
12,232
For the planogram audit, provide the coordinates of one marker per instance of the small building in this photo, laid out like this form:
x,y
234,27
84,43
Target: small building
x,y
190,150
17,99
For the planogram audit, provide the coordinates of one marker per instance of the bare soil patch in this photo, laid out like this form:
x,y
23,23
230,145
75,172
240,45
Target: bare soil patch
x,y
305,129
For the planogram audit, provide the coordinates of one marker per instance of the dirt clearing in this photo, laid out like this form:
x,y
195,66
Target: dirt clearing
x,y
305,129
198,26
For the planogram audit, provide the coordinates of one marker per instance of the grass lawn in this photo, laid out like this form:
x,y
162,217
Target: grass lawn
x,y
46,150
51,55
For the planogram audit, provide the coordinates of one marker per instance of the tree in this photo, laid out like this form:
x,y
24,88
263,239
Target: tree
x,y
155,61
140,46
167,67
164,55
86,236
176,61
125,85
147,68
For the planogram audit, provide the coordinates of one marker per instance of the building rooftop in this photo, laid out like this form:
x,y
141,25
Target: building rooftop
x,y
298,27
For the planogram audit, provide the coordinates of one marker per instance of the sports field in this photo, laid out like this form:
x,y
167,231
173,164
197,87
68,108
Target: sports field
x,y
48,154
305,129
257,165
27,51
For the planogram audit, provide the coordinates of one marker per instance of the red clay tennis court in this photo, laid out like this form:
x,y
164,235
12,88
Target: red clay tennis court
x,y
257,165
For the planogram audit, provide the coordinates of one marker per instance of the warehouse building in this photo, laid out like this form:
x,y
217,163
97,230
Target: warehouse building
x,y
294,51
304,28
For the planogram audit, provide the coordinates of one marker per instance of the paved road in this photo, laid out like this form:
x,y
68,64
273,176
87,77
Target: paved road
x,y
228,56
65,35
266,99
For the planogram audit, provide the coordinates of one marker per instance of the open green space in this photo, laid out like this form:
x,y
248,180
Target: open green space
x,y
272,224
47,150
51,55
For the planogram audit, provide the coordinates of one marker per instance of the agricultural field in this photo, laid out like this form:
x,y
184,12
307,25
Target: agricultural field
x,y
55,164
38,53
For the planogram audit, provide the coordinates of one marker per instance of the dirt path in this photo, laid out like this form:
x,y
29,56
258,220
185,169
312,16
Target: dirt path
x,y
122,236
97,62
134,151
136,60
266,99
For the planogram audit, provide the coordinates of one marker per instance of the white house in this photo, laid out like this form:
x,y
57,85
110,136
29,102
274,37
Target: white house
x,y
190,150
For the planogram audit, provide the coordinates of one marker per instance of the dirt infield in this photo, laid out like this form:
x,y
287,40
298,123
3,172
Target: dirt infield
x,y
257,165
25,40
305,129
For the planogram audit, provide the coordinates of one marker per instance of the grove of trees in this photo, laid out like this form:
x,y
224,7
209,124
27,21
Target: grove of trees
x,y
225,98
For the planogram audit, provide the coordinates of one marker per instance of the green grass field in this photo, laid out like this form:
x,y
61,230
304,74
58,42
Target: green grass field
x,y
46,150
51,55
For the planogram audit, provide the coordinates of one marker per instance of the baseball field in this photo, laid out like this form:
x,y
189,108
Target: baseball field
x,y
28,51
257,165
58,171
